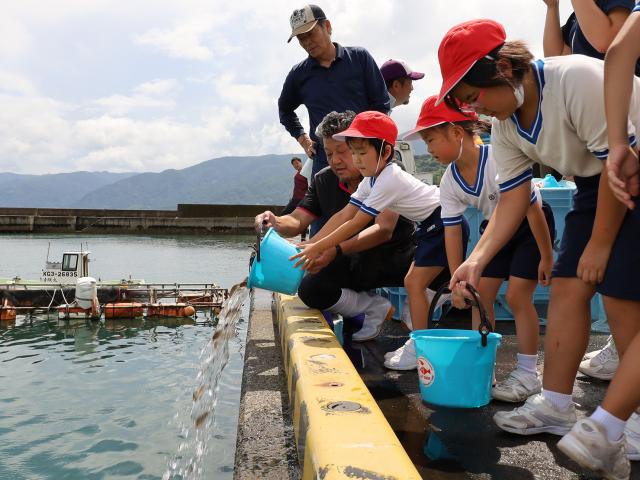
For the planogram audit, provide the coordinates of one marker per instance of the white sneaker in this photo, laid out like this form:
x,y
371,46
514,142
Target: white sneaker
x,y
593,353
632,435
404,358
603,364
406,314
587,444
397,351
537,415
378,310
517,387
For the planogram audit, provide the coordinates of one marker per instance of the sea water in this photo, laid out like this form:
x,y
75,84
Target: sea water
x,y
115,399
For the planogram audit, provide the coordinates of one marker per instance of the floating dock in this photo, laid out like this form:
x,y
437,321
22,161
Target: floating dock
x,y
117,300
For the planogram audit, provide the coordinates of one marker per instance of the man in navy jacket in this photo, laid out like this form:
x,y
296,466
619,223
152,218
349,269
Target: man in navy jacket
x,y
331,78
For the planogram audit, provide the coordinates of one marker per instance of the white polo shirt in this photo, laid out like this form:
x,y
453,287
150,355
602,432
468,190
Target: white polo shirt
x,y
569,133
396,190
456,194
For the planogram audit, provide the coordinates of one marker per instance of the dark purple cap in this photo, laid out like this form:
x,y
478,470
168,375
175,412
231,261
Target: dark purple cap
x,y
393,69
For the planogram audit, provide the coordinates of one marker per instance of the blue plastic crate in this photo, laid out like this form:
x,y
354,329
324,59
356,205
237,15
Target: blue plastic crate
x,y
398,297
560,199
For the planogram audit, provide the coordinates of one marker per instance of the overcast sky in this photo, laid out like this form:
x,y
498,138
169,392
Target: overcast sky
x,y
148,85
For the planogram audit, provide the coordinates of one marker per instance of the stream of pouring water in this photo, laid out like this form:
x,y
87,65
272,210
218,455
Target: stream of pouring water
x,y
196,429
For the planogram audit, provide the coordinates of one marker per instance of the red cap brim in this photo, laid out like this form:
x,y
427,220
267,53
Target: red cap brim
x,y
452,80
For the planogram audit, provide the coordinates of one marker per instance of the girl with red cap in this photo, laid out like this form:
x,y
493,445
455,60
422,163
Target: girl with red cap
x,y
551,112
470,181
371,137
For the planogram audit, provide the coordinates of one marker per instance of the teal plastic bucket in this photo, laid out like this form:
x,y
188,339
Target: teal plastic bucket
x,y
454,369
271,269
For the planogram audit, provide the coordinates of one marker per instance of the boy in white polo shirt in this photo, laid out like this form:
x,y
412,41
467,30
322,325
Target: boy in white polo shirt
x,y
371,138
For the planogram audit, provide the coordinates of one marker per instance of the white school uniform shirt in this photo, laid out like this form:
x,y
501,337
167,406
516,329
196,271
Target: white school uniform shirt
x,y
456,194
569,133
396,190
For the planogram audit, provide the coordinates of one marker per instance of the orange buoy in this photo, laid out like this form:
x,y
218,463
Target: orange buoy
x,y
123,310
7,314
170,310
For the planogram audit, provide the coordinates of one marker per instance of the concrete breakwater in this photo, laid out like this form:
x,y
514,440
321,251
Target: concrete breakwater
x,y
186,218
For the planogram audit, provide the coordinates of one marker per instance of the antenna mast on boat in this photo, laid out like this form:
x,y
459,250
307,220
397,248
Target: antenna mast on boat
x,y
48,248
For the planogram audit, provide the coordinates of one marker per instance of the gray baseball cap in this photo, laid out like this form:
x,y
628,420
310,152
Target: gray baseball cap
x,y
302,20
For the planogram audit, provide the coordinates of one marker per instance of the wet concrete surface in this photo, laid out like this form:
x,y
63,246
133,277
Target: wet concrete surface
x,y
265,445
465,443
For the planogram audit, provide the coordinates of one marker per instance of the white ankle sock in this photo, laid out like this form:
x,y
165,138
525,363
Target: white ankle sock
x,y
350,303
527,362
612,424
561,401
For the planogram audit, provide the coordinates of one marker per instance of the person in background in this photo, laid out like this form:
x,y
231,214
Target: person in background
x,y
399,78
379,256
332,77
299,187
589,31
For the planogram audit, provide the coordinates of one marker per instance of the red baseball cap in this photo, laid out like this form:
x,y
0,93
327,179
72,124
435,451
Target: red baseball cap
x,y
462,46
371,124
432,115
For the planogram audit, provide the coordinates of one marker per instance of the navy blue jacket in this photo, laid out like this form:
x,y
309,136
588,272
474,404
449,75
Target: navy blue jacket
x,y
352,82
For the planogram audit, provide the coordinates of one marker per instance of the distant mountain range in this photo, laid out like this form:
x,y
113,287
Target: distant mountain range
x,y
266,179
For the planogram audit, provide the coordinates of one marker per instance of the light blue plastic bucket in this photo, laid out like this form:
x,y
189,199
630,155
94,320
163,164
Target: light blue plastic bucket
x,y
454,369
274,271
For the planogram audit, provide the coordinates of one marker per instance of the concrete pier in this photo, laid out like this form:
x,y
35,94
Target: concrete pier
x,y
187,218
442,443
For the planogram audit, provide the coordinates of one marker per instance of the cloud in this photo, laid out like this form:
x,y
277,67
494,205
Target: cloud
x,y
149,85
16,83
193,39
154,94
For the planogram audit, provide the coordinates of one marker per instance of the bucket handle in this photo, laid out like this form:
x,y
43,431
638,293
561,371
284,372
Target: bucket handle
x,y
484,328
255,255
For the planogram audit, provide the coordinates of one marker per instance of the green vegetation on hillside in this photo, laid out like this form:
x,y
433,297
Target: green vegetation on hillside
x,y
426,164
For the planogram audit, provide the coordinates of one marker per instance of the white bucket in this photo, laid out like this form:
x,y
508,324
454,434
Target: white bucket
x,y
86,292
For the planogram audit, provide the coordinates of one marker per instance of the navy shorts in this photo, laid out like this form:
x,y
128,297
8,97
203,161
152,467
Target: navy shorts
x,y
431,251
578,224
624,262
520,257
620,278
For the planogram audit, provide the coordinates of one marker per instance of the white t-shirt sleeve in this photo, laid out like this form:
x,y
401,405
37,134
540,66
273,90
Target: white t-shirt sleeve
x,y
584,100
361,193
514,167
452,207
382,192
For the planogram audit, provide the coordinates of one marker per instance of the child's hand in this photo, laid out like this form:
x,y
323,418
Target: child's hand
x,y
623,171
310,252
593,262
323,260
544,271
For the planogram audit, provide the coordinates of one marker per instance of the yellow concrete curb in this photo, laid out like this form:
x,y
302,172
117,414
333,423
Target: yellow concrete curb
x,y
340,431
